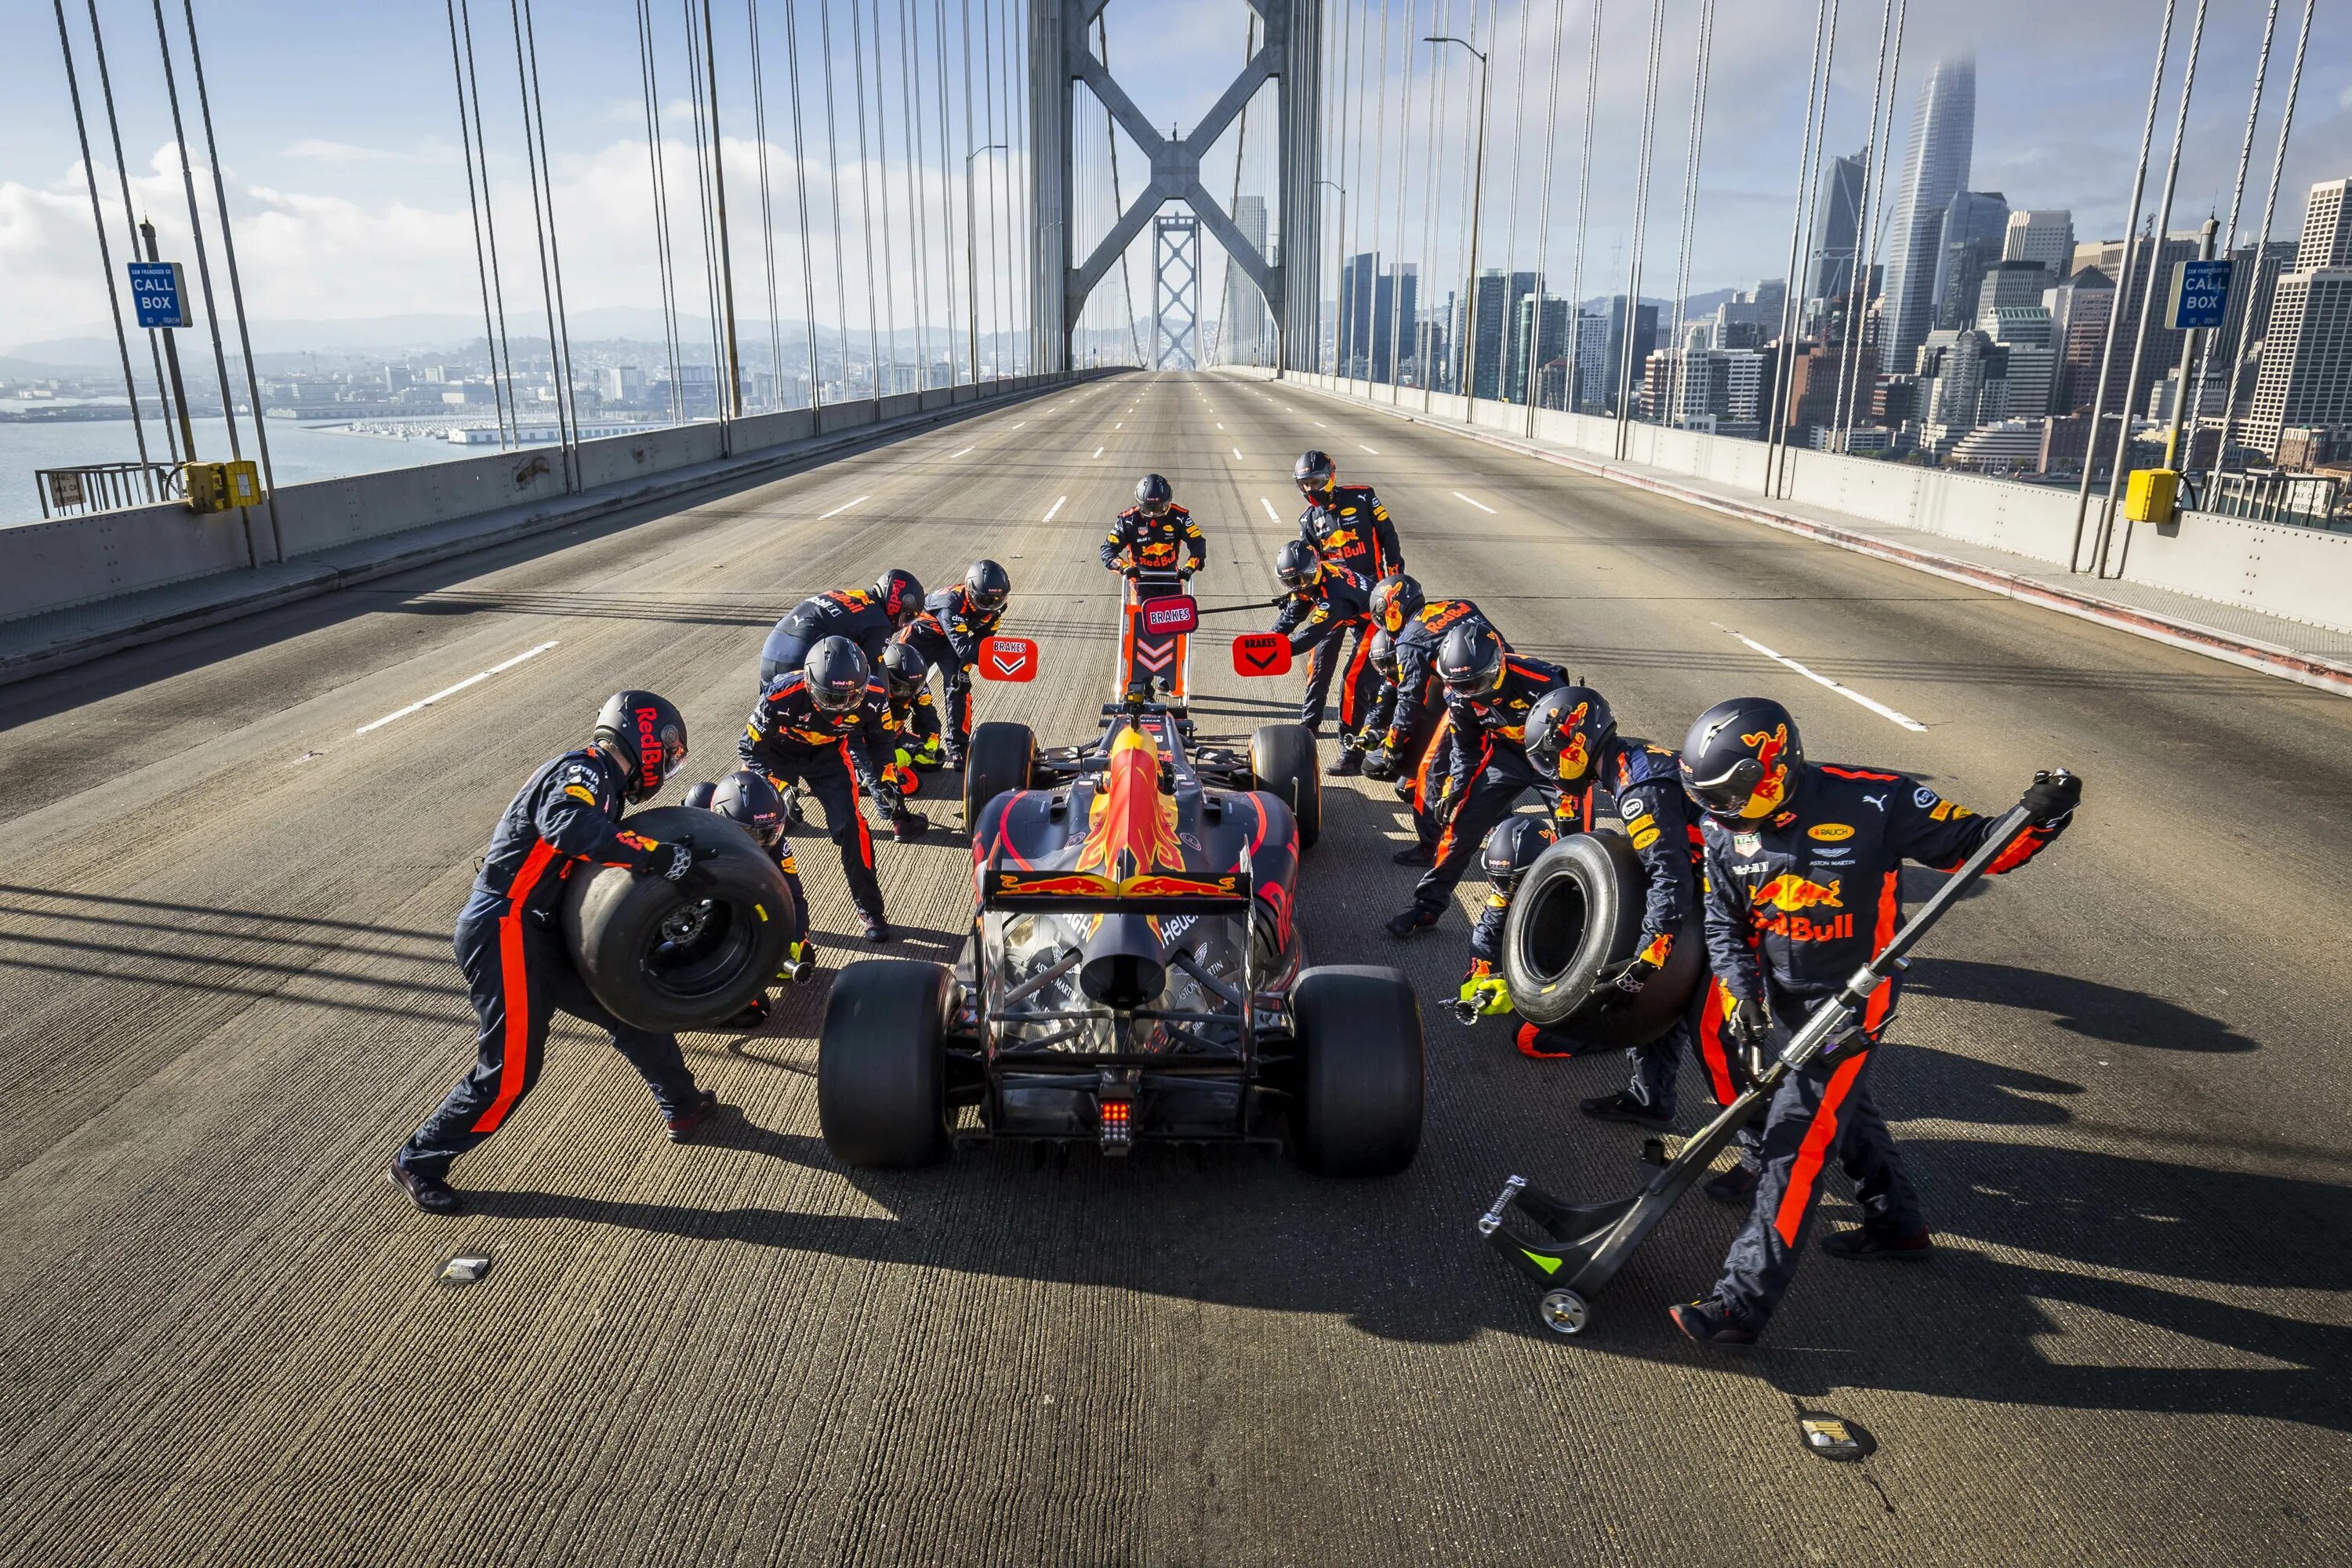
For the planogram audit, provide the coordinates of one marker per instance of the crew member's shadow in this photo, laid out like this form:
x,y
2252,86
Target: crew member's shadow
x,y
2080,1006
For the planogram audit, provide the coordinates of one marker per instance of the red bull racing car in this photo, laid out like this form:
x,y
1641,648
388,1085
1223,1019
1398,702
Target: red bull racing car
x,y
1133,969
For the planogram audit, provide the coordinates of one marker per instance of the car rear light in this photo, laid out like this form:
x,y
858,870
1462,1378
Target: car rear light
x,y
1116,1123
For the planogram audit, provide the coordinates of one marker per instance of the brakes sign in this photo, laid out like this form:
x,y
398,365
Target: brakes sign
x,y
1261,653
1167,617
1008,659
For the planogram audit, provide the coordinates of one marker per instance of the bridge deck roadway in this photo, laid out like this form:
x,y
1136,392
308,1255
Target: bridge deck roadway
x,y
226,923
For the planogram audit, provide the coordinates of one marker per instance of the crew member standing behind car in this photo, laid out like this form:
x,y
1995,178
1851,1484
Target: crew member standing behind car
x,y
1345,524
867,617
509,941
825,726
1324,602
1155,534
1418,626
1489,691
747,797
1803,887
948,634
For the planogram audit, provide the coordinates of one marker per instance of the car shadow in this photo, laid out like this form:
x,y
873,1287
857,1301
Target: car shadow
x,y
2080,1006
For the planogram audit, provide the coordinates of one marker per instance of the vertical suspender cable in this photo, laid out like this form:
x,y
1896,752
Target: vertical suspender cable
x,y
1333,134
1700,60
1875,186
539,226
988,110
1425,349
832,154
1857,281
131,226
1359,322
702,164
567,397
235,287
1397,339
2147,297
490,223
1808,193
910,121
1014,324
1117,203
664,262
877,280
2123,285
1543,215
1640,227
1777,415
2261,238
767,208
731,405
2195,395
1370,213
970,221
947,187
204,265
1503,387
1583,214
800,185
98,225
474,206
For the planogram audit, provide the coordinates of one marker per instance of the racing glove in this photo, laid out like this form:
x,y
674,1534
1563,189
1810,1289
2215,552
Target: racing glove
x,y
1646,964
1750,1035
900,773
2052,797
1381,763
681,864
927,755
1485,992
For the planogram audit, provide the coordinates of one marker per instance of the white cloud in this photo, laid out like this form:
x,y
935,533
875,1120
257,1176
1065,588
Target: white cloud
x,y
317,150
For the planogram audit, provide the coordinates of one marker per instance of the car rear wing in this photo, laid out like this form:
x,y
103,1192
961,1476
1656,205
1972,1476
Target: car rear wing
x,y
1146,893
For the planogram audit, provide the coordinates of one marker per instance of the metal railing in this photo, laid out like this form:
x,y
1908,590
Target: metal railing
x,y
2307,501
106,487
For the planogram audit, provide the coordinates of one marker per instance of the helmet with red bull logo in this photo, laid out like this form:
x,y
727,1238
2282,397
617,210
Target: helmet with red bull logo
x,y
1315,474
1153,495
838,675
1743,759
646,734
1567,729
1512,848
1298,566
1395,601
899,594
903,670
1471,662
747,797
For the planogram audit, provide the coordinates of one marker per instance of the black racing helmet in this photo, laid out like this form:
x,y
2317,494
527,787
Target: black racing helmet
x,y
1314,473
1298,566
1513,847
1470,661
648,734
901,595
904,670
1566,730
747,797
837,674
1395,601
1382,651
1743,759
697,795
988,585
1152,495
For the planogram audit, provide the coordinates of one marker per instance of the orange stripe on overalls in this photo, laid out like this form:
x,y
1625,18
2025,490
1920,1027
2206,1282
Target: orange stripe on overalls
x,y
514,1057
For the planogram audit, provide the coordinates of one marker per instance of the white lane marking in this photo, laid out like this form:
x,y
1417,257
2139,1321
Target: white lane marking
x,y
953,456
1118,423
1099,452
1221,424
1482,505
1320,425
1237,454
1270,511
453,690
1053,510
1848,692
1016,426
845,506
1373,450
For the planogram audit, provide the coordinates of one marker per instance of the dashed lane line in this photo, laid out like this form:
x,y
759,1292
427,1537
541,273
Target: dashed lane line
x,y
475,679
845,506
1482,505
1848,692
1375,451
1236,452
1054,511
1099,452
1270,511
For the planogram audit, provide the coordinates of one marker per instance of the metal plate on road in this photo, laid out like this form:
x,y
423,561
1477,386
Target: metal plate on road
x,y
2200,295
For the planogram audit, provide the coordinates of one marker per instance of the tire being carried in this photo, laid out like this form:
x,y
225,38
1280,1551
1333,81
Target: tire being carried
x,y
881,1064
1282,762
1358,1110
995,759
662,962
1576,916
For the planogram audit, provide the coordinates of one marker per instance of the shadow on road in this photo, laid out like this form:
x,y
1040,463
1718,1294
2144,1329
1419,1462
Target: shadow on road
x,y
2080,1006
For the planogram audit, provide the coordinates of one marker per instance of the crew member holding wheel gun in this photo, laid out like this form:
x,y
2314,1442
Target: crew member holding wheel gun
x,y
1802,871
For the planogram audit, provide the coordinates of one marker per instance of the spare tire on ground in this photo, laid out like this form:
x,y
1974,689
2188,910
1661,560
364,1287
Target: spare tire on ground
x,y
1576,916
1283,763
660,961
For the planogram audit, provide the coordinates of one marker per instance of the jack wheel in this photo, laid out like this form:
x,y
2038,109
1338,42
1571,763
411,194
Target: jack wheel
x,y
1564,1312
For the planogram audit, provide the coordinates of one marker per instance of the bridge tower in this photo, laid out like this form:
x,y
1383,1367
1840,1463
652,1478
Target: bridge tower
x,y
1289,53
1175,292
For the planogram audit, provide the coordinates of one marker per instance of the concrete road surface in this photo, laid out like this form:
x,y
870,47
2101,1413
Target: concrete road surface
x,y
232,863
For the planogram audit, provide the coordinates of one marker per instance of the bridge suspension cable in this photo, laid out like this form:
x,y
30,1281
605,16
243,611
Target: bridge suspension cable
x,y
1882,98
98,225
2262,235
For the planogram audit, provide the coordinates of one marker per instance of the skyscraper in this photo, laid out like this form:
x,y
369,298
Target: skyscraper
x,y
1243,326
2040,234
1538,336
2306,375
1829,271
1935,169
1976,223
1355,330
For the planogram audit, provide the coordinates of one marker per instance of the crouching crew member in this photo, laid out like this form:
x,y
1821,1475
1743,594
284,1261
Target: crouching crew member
x,y
1418,743
1489,692
1326,602
825,726
914,717
510,940
948,634
1509,850
1803,887
867,617
746,797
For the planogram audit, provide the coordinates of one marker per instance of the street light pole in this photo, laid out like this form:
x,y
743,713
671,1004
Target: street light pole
x,y
971,259
1477,202
1341,226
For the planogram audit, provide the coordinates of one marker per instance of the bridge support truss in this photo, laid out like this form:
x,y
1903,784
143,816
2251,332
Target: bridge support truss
x,y
1289,53
1175,293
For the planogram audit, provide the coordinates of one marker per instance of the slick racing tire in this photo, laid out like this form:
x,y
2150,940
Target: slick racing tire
x,y
660,961
1578,915
1282,762
881,1064
996,758
1358,1101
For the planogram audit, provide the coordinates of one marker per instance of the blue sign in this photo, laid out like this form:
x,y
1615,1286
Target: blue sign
x,y
2201,294
160,293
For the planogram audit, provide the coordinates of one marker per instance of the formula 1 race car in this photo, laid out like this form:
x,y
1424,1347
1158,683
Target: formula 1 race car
x,y
1133,969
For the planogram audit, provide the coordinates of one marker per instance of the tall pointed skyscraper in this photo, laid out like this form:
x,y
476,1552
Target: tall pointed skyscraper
x,y
1935,169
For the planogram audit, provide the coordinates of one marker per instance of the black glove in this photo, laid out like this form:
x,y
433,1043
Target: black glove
x,y
1381,764
1635,975
1750,1035
2052,797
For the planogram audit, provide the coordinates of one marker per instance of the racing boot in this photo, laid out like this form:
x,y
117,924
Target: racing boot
x,y
1350,763
688,1118
905,827
430,1193
1709,1324
1735,1186
754,1014
1623,1107
1383,763
877,930
1412,921
1415,854
1865,1243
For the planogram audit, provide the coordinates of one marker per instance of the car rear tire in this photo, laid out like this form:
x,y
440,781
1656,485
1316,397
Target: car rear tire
x,y
1577,914
661,962
881,1064
1283,763
996,758
1360,1088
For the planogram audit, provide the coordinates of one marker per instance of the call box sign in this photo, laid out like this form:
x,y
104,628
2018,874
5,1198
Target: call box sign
x,y
159,293
2200,295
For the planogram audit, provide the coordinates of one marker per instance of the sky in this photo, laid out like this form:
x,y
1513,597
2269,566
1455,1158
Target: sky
x,y
340,143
